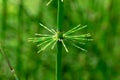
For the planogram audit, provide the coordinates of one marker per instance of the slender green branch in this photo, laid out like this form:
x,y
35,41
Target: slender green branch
x,y
4,20
20,32
9,64
60,15
59,43
59,60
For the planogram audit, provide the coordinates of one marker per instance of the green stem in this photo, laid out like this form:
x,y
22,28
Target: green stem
x,y
59,43
60,16
4,24
4,20
59,61
20,31
9,64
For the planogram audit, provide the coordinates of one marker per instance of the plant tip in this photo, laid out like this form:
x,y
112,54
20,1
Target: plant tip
x,y
48,3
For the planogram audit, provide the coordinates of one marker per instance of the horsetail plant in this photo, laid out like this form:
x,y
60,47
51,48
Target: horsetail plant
x,y
58,38
9,64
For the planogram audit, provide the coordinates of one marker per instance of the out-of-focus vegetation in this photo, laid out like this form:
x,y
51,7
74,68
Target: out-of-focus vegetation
x,y
19,20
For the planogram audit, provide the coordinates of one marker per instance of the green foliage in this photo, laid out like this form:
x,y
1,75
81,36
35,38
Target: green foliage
x,y
47,40
101,62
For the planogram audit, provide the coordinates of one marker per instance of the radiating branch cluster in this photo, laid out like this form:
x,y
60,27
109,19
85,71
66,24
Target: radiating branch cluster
x,y
45,40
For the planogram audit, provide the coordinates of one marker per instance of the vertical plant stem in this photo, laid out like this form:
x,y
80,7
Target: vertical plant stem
x,y
4,20
59,61
59,44
4,25
19,37
9,64
60,15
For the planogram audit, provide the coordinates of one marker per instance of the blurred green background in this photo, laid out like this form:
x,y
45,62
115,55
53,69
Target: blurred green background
x,y
19,20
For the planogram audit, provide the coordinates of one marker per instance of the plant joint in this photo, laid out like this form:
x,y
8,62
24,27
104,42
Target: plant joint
x,y
59,36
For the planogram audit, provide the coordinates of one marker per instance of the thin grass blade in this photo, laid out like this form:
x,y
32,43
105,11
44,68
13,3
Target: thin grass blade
x,y
80,36
54,31
34,40
43,35
64,46
72,29
54,44
44,42
83,39
79,47
46,28
46,46
77,29
80,39
49,2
